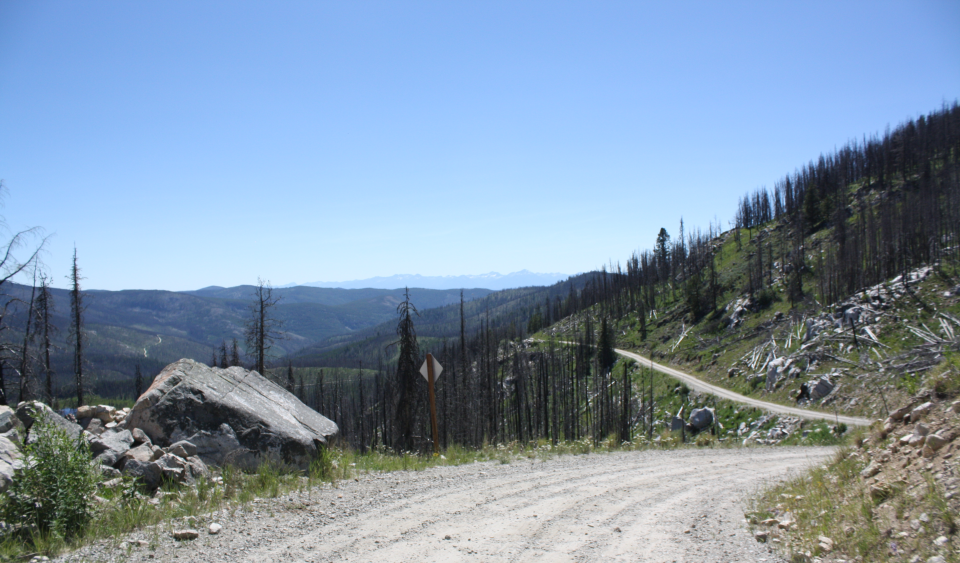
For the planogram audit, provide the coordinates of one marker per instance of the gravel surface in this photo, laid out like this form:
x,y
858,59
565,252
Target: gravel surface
x,y
703,386
663,506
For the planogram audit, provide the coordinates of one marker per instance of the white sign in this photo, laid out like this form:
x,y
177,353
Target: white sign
x,y
437,370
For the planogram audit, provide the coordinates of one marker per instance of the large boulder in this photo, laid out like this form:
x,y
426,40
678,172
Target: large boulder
x,y
701,418
815,390
215,409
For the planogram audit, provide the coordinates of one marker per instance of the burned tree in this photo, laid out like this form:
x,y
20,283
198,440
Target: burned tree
x,y
263,328
406,374
76,326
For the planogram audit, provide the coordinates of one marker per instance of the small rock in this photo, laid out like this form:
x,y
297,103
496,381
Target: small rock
x,y
935,442
183,449
138,543
140,437
769,522
761,536
941,541
617,529
446,537
826,544
870,470
955,407
936,559
182,535
919,412
900,413
116,482
215,529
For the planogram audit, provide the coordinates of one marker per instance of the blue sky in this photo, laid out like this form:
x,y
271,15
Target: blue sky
x,y
185,144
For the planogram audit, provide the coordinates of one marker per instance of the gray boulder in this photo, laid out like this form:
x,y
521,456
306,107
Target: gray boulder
x,y
183,449
10,460
142,453
193,402
94,426
815,390
221,447
701,418
109,447
140,437
9,420
149,473
29,412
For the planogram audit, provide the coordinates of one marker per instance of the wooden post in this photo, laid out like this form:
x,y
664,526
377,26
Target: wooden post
x,y
433,404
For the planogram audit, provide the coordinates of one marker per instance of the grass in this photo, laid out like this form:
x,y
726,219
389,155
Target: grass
x,y
834,501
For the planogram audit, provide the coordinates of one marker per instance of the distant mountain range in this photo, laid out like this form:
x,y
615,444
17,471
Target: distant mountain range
x,y
493,281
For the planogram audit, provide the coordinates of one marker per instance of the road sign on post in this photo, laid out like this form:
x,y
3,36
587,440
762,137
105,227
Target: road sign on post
x,y
431,370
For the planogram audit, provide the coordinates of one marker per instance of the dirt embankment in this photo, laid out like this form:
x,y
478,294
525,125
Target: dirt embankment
x,y
680,505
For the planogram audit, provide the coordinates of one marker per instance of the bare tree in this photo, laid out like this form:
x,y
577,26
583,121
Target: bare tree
x,y
11,265
26,383
45,329
235,353
76,325
406,374
263,328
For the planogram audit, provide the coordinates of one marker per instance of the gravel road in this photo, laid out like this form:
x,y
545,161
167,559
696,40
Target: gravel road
x,y
679,505
705,387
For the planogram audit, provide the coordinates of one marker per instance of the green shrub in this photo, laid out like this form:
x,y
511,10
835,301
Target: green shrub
x,y
51,493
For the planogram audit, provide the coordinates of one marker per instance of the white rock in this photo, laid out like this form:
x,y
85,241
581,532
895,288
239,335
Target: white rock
x,y
214,529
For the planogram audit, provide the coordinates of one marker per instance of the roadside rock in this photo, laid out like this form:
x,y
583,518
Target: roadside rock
x,y
815,390
10,457
222,447
183,449
920,411
701,418
110,446
9,420
149,474
898,414
182,535
142,453
140,437
29,412
92,425
188,399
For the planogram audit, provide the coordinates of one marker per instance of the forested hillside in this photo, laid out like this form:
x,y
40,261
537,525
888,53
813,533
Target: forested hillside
x,y
154,328
765,295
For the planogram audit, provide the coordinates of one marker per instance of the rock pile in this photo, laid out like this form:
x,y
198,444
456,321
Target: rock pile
x,y
192,416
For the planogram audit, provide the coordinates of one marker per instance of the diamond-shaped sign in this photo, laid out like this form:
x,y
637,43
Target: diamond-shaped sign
x,y
437,370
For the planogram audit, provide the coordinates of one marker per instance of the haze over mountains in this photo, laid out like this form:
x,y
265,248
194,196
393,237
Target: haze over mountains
x,y
493,280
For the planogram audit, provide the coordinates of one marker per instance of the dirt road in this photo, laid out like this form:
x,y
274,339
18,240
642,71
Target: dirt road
x,y
704,387
681,505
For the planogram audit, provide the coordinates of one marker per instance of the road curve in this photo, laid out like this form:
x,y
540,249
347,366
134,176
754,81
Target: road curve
x,y
704,387
638,506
